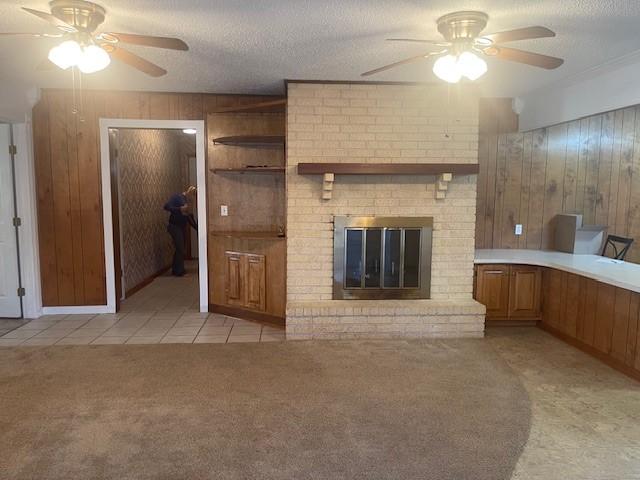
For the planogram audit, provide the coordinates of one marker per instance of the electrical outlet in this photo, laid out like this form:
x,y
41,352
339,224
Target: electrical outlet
x,y
224,211
519,229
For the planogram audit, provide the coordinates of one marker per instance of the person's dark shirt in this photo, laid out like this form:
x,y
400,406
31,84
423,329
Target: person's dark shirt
x,y
177,217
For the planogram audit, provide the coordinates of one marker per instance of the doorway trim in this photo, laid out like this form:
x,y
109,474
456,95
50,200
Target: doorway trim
x,y
105,170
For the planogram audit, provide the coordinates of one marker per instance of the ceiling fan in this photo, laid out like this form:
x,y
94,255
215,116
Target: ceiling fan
x,y
81,47
460,54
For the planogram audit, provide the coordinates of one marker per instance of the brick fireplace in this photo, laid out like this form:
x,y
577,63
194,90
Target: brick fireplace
x,y
380,123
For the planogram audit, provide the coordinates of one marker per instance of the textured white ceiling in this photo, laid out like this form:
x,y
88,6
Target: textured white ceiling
x,y
250,46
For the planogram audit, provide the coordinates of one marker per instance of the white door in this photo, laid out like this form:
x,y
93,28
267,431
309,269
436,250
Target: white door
x,y
9,279
193,180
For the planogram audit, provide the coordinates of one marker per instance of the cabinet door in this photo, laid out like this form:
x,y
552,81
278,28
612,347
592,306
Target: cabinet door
x,y
255,282
552,301
524,291
233,279
492,290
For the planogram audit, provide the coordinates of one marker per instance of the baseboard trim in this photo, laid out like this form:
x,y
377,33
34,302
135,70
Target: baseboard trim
x,y
77,309
588,349
247,314
145,282
510,323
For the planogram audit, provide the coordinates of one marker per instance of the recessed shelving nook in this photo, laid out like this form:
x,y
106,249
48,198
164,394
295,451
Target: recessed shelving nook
x,y
246,175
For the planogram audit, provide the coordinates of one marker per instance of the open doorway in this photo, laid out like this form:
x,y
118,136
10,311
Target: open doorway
x,y
145,165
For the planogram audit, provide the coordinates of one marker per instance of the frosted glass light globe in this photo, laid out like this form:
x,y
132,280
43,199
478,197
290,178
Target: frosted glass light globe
x,y
66,55
446,68
93,59
471,66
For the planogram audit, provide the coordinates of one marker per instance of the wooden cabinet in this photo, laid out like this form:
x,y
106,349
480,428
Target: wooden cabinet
x,y
492,289
255,282
233,279
244,282
510,292
600,319
525,285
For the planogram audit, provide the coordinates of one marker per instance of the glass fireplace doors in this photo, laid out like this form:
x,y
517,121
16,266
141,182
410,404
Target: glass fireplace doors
x,y
382,257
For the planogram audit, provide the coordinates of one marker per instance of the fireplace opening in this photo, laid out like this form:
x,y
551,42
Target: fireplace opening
x,y
382,257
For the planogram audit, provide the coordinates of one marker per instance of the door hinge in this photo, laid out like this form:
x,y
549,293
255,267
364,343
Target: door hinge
x,y
21,292
13,150
17,221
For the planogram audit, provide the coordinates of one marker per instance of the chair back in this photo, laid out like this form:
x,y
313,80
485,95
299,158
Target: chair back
x,y
620,246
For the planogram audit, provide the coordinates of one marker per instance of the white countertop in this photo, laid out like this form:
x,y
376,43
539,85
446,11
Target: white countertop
x,y
614,272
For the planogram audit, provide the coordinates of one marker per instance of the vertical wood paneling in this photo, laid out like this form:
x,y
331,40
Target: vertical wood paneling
x,y
90,200
44,191
616,152
501,178
525,189
571,162
626,170
512,187
75,207
62,217
634,192
537,188
605,158
589,166
67,161
481,200
591,169
554,180
489,216
583,148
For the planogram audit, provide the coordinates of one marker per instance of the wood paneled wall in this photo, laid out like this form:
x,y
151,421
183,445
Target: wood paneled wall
x,y
67,158
589,166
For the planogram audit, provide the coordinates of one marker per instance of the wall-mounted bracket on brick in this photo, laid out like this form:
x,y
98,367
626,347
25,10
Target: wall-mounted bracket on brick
x,y
443,184
444,171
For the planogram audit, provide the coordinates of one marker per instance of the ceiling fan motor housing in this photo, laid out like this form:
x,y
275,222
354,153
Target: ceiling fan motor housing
x,y
84,16
462,28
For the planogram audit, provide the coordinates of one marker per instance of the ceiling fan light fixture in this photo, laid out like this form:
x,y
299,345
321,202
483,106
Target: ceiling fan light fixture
x,y
446,68
471,65
93,59
452,68
189,131
66,55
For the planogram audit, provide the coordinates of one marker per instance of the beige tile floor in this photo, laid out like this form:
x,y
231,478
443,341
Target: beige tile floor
x,y
166,311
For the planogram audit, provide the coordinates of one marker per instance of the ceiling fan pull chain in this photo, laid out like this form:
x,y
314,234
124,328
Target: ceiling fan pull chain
x,y
74,109
446,126
80,94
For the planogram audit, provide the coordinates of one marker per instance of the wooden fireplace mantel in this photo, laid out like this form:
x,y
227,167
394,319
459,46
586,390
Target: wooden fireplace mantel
x,y
444,171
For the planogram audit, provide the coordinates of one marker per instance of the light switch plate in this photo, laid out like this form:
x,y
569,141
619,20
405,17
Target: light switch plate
x,y
224,211
519,229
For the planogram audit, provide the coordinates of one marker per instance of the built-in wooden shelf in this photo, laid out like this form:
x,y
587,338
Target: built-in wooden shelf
x,y
249,170
388,168
444,171
269,106
242,234
251,140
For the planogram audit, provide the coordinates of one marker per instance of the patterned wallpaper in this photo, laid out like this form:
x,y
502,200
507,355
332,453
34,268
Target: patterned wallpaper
x,y
150,172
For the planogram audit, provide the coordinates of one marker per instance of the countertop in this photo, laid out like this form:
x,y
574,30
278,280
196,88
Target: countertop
x,y
614,272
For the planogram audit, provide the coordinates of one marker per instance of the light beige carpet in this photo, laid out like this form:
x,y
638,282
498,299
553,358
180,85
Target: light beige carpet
x,y
449,409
